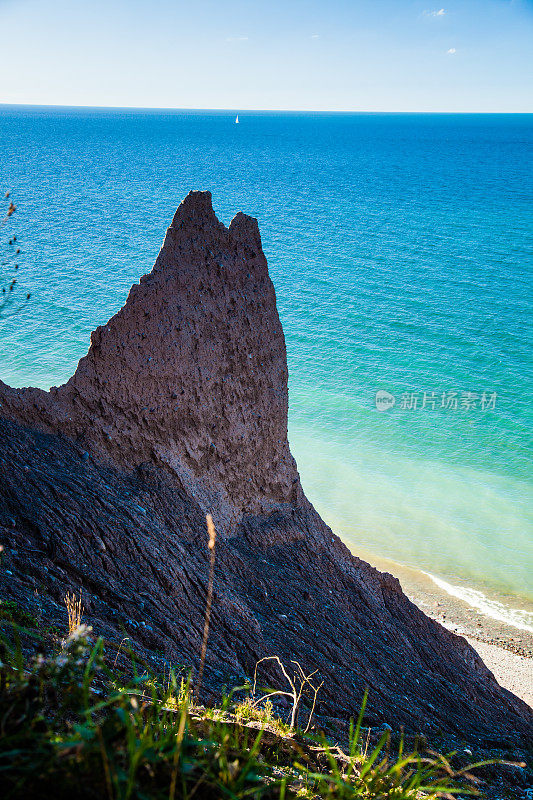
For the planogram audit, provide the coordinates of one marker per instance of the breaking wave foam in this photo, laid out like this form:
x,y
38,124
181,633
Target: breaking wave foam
x,y
518,618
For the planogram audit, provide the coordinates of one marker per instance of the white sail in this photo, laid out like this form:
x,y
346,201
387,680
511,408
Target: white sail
x,y
237,120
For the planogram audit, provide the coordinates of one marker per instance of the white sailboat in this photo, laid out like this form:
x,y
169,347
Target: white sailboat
x,y
237,120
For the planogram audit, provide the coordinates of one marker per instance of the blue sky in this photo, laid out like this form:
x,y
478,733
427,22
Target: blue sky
x,y
351,55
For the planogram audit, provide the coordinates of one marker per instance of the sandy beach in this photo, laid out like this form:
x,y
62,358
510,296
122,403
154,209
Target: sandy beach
x,y
506,650
512,671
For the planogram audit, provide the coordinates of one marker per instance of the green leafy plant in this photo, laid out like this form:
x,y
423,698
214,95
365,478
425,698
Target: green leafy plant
x,y
11,301
73,726
11,611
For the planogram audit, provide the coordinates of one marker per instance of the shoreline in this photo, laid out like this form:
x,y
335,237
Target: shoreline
x,y
506,650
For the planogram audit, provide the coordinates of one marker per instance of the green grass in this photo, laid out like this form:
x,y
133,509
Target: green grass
x,y
73,726
11,612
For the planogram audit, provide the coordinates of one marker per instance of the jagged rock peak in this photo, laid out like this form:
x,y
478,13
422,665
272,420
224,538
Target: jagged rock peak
x,y
197,210
191,372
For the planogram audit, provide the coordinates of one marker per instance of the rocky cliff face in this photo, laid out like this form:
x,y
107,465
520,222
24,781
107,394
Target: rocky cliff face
x,y
180,407
190,374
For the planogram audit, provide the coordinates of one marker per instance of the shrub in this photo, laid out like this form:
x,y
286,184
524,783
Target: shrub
x,y
73,727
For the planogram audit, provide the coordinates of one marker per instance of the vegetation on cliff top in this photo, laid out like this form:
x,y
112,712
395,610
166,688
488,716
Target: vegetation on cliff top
x,y
10,257
73,725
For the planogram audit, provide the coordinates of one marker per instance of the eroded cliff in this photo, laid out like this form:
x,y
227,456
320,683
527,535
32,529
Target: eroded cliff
x,y
180,407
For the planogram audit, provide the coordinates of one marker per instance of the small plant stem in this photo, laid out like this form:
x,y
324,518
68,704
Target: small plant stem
x,y
105,762
211,545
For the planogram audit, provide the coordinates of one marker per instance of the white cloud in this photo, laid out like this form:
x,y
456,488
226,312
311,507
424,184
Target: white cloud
x,y
237,39
315,36
451,51
440,13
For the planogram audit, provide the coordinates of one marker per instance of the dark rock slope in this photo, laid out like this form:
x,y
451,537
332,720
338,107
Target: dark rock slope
x,y
180,407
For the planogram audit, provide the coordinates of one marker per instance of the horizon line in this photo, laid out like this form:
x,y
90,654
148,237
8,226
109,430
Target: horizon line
x,y
235,110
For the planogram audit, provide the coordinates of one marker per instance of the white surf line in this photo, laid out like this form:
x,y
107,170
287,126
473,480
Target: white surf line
x,y
516,617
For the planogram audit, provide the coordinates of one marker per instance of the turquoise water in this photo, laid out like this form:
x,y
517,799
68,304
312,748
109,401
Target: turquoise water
x,y
401,250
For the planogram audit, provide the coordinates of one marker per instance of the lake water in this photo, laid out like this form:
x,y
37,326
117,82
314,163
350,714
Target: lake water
x,y
400,246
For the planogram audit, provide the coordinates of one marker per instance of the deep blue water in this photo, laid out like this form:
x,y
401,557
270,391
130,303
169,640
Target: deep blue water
x,y
400,246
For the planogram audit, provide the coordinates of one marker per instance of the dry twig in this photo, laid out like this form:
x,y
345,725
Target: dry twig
x,y
211,546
